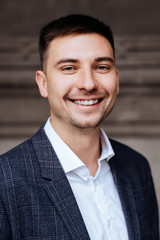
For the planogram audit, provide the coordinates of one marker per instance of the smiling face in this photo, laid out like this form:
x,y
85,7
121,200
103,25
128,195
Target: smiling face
x,y
80,80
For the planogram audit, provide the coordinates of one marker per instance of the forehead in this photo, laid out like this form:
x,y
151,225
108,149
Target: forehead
x,y
80,46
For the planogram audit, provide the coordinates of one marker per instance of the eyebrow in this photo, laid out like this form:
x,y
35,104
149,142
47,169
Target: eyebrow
x,y
72,60
67,60
102,59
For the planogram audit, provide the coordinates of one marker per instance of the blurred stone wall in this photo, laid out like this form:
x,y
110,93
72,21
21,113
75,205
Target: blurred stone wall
x,y
136,27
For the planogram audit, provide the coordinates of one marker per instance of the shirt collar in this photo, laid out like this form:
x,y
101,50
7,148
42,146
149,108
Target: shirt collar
x,y
66,156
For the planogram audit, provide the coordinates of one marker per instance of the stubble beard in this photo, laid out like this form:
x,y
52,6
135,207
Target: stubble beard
x,y
71,120
86,125
105,112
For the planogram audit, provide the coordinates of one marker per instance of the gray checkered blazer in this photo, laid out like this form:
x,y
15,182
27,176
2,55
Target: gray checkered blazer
x,y
37,203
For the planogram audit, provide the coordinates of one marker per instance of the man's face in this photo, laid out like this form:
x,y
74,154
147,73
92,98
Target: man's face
x,y
80,80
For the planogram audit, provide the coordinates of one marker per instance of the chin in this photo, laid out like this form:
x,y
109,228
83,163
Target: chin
x,y
87,125
90,123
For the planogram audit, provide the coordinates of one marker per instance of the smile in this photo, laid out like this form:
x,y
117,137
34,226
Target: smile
x,y
87,102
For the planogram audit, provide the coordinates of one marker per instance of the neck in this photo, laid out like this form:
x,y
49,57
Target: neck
x,y
85,143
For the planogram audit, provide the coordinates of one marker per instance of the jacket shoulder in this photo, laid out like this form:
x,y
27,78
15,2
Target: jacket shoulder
x,y
20,149
126,155
12,163
15,163
15,152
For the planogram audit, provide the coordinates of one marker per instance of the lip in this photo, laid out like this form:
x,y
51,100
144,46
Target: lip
x,y
86,102
83,98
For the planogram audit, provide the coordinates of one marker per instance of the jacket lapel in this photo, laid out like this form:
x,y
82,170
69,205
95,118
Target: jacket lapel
x,y
58,188
121,177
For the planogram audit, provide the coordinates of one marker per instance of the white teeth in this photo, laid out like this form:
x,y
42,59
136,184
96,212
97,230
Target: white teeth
x,y
86,103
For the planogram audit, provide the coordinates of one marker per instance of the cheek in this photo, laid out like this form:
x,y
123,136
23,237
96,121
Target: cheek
x,y
110,86
58,86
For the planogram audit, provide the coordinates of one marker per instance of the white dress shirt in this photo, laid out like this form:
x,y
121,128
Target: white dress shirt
x,y
97,197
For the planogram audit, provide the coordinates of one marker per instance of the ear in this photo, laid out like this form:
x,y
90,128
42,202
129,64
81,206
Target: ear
x,y
42,83
117,76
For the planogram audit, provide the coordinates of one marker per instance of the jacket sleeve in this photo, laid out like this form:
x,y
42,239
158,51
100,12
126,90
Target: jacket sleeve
x,y
5,232
154,216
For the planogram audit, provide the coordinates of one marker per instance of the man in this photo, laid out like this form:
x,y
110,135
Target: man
x,y
70,181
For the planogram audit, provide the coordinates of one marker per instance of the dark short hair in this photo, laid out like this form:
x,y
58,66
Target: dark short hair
x,y
71,24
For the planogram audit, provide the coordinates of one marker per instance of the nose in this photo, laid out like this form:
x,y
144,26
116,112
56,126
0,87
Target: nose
x,y
87,80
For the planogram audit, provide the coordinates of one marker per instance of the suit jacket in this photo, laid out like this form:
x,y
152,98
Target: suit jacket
x,y
37,202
